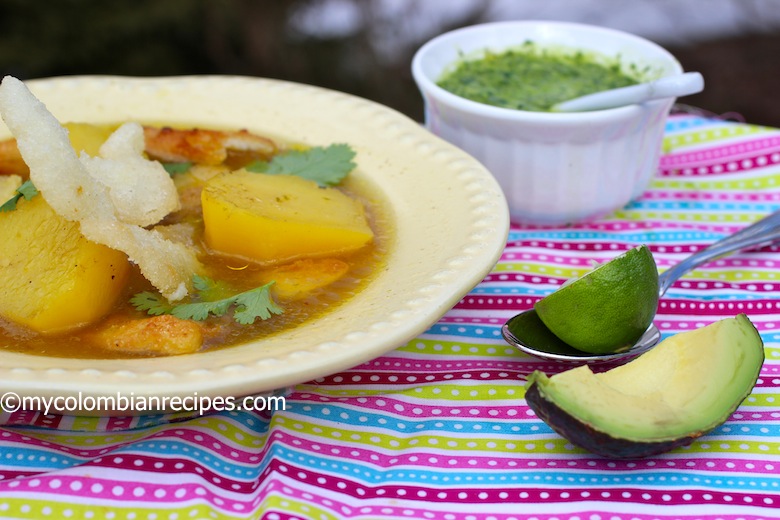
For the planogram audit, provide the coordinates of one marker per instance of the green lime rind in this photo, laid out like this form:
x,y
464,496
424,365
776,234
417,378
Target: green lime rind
x,y
608,309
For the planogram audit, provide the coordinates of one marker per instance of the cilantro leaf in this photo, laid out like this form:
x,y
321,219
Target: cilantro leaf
x,y
326,166
199,311
210,290
258,166
248,305
255,304
152,303
176,167
26,190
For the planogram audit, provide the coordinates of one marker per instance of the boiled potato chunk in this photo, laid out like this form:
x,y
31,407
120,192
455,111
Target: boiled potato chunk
x,y
8,186
52,279
277,218
300,278
85,137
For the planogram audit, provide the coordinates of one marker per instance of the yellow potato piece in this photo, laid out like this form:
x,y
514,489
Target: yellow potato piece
x,y
52,278
277,218
88,138
85,137
8,186
298,279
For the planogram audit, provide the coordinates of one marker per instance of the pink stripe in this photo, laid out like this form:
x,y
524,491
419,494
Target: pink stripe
x,y
666,305
280,515
510,253
392,364
512,278
507,303
741,149
721,308
391,378
518,495
466,410
474,320
729,167
758,416
565,245
6,474
56,487
176,465
676,326
716,196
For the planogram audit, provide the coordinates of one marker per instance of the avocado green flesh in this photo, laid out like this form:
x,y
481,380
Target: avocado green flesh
x,y
684,387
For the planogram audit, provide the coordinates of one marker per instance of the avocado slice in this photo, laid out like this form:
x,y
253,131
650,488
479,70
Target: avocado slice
x,y
667,397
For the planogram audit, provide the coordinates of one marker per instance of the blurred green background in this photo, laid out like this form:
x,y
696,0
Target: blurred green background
x,y
365,47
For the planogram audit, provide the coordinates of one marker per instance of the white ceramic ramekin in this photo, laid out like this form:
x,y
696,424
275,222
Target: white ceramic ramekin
x,y
555,168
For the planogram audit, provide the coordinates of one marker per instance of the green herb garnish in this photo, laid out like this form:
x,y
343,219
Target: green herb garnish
x,y
326,166
176,167
247,306
26,190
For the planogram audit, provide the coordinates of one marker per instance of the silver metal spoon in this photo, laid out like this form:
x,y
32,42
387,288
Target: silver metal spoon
x,y
668,87
527,332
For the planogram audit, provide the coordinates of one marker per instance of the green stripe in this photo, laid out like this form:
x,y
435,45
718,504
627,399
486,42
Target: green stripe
x,y
216,424
37,509
466,348
765,182
435,394
531,268
696,136
706,217
43,508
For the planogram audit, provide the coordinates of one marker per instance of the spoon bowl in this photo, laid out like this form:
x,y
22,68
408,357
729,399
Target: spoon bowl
x,y
527,332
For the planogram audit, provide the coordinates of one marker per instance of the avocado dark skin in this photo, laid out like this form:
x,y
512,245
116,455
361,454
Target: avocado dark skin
x,y
595,441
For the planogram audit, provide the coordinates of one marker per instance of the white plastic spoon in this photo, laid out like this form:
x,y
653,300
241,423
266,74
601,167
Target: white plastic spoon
x,y
670,86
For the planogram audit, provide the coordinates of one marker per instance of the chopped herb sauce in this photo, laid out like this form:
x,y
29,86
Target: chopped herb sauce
x,y
529,78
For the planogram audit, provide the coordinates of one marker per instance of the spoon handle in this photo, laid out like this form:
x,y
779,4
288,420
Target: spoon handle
x,y
763,231
667,87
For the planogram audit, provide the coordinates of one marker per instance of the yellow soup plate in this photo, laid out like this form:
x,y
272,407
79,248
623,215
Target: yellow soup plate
x,y
449,217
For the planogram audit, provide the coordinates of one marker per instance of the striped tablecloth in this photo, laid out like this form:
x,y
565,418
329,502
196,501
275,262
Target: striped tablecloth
x,y
438,429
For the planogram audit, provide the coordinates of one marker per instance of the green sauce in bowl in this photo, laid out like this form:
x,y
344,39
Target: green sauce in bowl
x,y
534,79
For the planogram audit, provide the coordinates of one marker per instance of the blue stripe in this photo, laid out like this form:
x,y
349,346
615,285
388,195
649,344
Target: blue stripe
x,y
674,125
387,422
498,291
634,237
715,207
704,297
518,290
466,331
744,429
35,458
